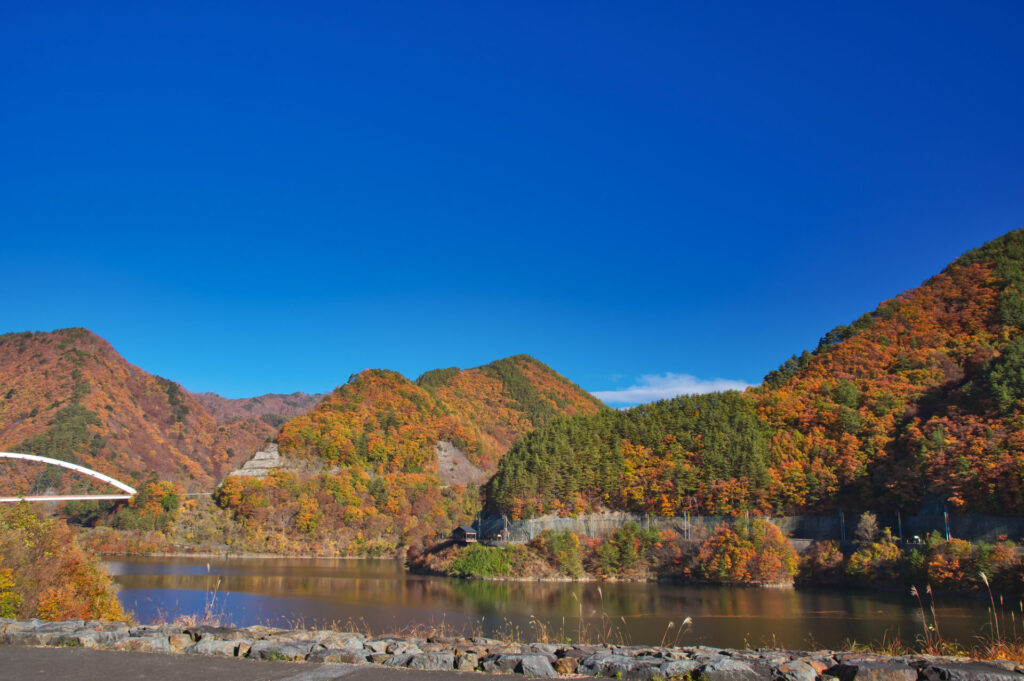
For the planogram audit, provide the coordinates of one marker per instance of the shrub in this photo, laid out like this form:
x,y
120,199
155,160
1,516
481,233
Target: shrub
x,y
47,574
154,507
956,564
477,560
877,561
626,549
822,563
867,528
562,550
747,552
10,601
999,562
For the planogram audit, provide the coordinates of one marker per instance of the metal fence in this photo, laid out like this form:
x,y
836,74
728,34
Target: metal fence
x,y
840,525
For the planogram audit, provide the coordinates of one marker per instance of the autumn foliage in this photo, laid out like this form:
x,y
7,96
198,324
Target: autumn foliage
x,y
69,395
944,564
747,552
372,481
918,400
44,573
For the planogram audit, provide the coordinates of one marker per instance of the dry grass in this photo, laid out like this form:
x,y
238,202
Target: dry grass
x,y
214,614
1000,642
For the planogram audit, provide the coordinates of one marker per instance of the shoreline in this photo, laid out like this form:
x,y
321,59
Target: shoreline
x,y
976,594
475,653
211,554
589,579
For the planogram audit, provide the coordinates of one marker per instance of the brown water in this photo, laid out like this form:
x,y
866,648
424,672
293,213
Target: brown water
x,y
380,596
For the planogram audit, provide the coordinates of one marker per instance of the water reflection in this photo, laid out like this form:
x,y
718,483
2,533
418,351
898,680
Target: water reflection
x,y
379,594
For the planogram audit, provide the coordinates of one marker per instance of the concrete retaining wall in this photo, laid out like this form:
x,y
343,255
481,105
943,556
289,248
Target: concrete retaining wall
x,y
838,525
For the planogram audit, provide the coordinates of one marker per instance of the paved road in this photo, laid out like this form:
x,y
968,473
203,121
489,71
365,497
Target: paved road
x,y
18,663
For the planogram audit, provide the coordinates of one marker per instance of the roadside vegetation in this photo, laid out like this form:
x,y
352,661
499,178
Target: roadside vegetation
x,y
878,559
747,552
44,572
750,552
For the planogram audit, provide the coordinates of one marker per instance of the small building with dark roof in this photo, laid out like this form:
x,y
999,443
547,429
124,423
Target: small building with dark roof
x,y
465,534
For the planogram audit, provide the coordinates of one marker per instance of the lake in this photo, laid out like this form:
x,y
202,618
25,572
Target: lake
x,y
379,596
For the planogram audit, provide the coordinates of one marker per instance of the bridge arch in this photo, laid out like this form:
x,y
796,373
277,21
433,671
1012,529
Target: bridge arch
x,y
129,491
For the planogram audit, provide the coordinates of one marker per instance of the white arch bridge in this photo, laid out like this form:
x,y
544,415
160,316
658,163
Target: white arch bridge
x,y
129,491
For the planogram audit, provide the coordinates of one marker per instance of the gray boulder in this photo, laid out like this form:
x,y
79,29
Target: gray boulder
x,y
502,663
222,633
93,638
399,660
445,661
467,661
213,646
619,666
400,647
180,642
337,656
36,632
727,669
144,644
153,630
341,642
377,646
536,665
872,670
796,670
281,650
968,671
671,668
597,663
65,627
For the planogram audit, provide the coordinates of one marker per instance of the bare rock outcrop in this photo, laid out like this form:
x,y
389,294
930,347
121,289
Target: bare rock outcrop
x,y
454,468
270,459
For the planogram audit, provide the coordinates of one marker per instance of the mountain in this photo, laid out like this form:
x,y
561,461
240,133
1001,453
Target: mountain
x,y
380,417
273,409
916,402
395,460
69,395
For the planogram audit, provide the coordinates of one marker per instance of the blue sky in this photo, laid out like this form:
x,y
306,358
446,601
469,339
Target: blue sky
x,y
258,197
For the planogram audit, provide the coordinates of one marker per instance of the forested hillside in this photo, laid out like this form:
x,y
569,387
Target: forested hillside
x,y
918,400
69,395
375,442
273,409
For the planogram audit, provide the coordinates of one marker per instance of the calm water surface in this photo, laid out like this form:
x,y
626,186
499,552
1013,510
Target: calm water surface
x,y
381,596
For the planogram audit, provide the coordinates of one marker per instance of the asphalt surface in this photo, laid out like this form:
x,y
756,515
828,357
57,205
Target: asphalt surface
x,y
18,663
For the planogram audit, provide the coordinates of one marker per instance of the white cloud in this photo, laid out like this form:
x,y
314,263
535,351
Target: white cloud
x,y
663,386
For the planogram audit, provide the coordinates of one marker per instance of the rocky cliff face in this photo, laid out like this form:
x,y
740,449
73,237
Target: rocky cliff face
x,y
269,459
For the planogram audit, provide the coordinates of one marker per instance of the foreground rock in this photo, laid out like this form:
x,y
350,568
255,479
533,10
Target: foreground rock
x,y
630,663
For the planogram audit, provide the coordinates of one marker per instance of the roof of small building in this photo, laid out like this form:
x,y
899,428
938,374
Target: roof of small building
x,y
466,528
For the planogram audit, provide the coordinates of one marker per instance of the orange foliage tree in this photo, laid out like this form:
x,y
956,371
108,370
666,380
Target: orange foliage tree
x,y
747,552
46,574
